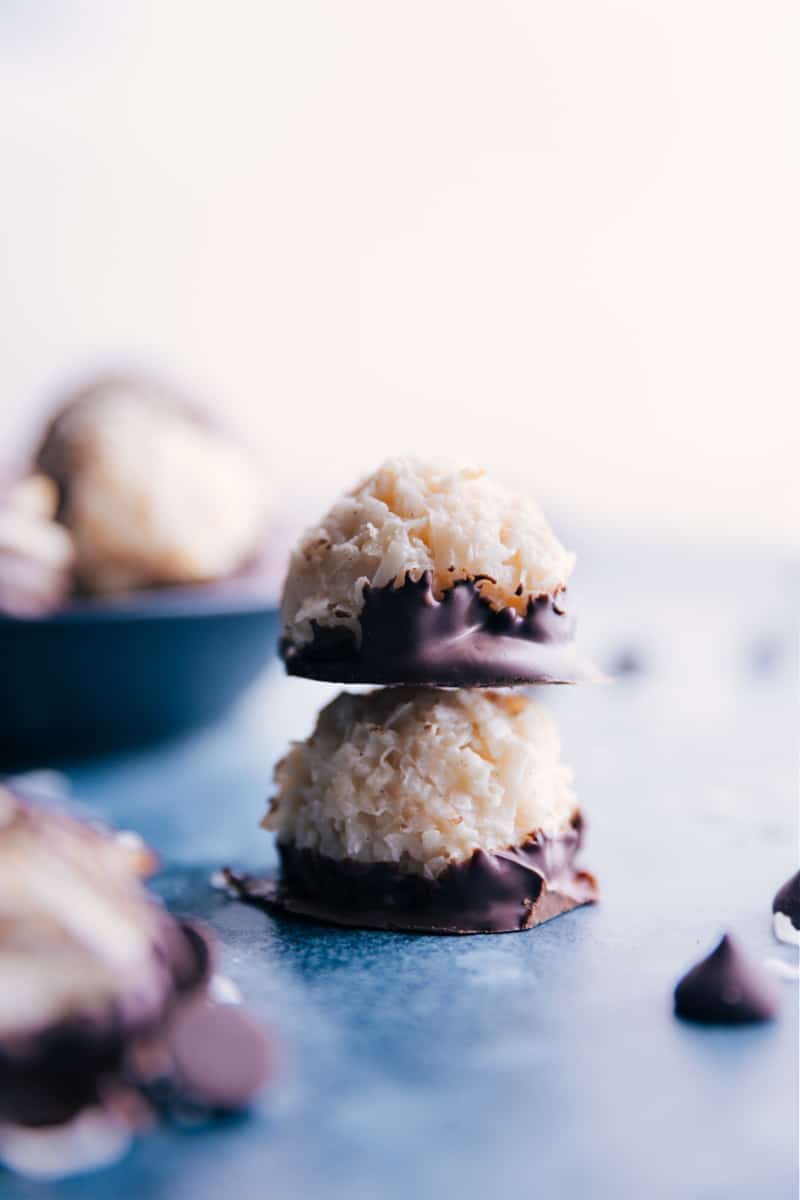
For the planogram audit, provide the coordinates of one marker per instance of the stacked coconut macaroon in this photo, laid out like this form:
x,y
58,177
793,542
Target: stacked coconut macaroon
x,y
436,803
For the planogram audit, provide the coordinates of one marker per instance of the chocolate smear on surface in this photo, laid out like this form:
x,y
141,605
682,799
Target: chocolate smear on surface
x,y
500,891
727,988
408,635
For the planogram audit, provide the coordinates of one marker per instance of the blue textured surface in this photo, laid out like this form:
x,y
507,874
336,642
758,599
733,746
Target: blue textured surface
x,y
546,1063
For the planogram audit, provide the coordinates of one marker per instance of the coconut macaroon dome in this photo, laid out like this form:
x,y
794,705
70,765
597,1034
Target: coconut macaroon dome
x,y
422,778
425,809
429,572
152,492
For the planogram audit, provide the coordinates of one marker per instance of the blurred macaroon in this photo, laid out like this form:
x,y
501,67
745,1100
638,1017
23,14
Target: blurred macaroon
x,y
36,553
152,492
109,1006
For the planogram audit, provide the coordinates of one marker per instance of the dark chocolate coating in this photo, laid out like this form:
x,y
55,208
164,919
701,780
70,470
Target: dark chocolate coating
x,y
193,955
122,1037
410,636
500,891
726,988
47,1075
787,900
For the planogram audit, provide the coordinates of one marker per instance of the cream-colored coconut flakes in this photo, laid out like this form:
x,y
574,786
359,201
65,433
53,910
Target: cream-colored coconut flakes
x,y
77,929
414,516
155,496
422,777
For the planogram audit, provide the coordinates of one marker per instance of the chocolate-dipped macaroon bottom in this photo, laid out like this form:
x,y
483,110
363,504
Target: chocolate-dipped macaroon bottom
x,y
499,891
107,1003
409,636
49,1074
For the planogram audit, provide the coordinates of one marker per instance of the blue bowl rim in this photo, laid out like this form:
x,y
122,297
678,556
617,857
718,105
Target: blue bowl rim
x,y
233,597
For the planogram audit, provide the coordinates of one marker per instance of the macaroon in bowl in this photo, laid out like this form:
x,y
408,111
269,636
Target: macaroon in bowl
x,y
137,589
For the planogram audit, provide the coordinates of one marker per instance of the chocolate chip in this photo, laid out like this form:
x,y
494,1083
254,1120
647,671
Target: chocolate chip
x,y
220,1055
727,988
786,912
627,662
787,900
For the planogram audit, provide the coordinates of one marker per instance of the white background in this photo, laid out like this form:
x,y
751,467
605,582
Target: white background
x,y
559,237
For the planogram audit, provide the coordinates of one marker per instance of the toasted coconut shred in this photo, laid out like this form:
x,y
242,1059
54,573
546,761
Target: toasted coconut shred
x,y
421,778
411,517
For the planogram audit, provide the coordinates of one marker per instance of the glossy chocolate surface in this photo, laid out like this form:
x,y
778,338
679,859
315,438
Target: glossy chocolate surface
x,y
492,892
726,988
787,900
459,640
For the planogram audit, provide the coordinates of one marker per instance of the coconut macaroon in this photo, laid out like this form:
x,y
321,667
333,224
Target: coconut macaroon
x,y
430,572
151,492
36,553
97,980
87,959
415,808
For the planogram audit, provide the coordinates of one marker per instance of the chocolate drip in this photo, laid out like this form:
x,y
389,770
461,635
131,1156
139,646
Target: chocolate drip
x,y
408,635
492,892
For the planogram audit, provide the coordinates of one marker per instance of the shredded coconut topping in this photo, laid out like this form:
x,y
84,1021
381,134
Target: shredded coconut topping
x,y
411,517
76,927
155,496
422,777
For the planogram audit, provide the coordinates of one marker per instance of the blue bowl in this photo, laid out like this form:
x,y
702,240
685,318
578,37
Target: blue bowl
x,y
100,675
